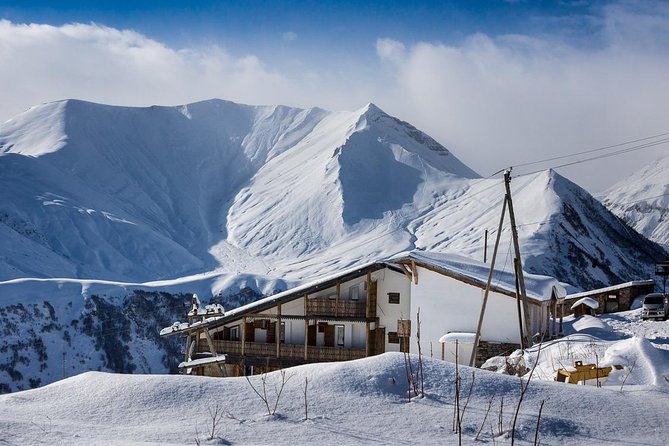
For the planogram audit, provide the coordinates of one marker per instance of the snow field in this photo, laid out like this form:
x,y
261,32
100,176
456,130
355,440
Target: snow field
x,y
356,402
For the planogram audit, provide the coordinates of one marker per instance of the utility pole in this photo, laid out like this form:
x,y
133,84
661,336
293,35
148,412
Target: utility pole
x,y
519,263
521,294
485,247
472,359
520,314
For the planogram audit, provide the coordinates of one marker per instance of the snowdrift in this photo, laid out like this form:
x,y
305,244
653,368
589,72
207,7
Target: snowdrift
x,y
357,402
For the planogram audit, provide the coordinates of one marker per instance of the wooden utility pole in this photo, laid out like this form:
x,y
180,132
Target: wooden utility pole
x,y
526,340
520,314
485,247
472,359
519,263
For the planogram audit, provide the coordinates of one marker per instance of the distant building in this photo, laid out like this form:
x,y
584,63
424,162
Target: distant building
x,y
611,299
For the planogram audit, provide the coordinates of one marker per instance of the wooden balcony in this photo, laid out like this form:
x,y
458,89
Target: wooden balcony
x,y
332,308
287,351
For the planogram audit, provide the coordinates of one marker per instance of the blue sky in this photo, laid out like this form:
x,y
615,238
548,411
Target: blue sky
x,y
495,81
345,27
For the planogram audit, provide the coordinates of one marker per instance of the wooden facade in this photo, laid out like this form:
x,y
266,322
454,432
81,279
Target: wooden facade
x,y
611,299
333,320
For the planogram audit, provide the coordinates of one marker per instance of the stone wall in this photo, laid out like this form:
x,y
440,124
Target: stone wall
x,y
487,350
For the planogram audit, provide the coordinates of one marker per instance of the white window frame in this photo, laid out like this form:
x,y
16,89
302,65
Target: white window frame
x,y
235,329
340,329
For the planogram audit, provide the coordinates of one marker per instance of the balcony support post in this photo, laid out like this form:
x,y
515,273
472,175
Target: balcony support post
x,y
306,327
278,331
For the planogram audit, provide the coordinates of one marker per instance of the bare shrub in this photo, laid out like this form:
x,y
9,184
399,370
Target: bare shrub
x,y
215,417
306,403
629,372
523,390
485,417
271,410
536,432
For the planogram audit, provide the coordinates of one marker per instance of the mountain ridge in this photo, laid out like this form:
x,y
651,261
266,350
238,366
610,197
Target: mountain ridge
x,y
642,200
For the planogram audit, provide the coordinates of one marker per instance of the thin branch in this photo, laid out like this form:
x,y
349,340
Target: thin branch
x,y
536,432
484,418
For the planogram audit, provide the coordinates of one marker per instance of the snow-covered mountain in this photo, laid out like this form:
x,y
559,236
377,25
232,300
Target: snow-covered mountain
x,y
101,205
120,193
642,200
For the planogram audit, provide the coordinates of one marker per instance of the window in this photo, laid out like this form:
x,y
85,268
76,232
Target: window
x,y
393,298
393,338
354,292
611,305
339,335
261,323
234,333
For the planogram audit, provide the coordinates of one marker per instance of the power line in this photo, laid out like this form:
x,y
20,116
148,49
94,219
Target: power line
x,y
641,199
606,155
584,152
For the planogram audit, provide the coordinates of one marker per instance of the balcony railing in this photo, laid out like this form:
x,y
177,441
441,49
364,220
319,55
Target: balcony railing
x,y
332,308
288,351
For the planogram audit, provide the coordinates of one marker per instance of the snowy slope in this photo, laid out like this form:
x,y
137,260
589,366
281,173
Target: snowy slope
x,y
564,232
356,402
138,193
642,200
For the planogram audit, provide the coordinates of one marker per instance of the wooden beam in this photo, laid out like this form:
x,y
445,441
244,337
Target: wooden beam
x,y
368,348
306,327
243,327
414,272
278,331
338,288
519,269
368,300
406,271
210,341
479,325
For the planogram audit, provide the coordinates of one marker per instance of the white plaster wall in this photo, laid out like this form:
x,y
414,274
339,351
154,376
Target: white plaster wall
x,y
392,282
344,289
358,335
294,332
354,334
449,305
294,307
464,351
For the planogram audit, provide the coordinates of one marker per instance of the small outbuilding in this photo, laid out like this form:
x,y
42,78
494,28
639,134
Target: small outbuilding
x,y
585,305
613,298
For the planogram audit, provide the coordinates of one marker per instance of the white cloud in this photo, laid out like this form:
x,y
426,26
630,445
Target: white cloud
x,y
390,50
41,63
494,101
289,36
511,99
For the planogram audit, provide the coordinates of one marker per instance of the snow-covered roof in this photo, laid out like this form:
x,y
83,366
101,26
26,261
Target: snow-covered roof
x,y
274,299
611,288
538,288
587,301
456,336
202,362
